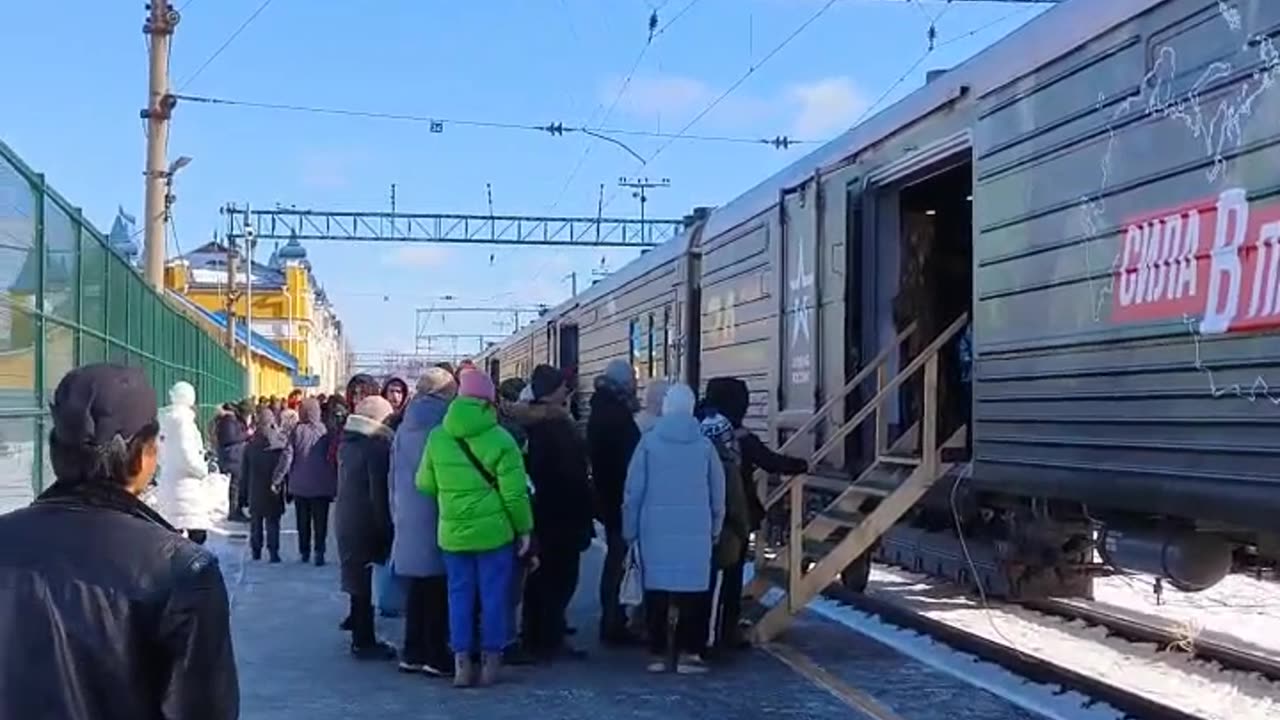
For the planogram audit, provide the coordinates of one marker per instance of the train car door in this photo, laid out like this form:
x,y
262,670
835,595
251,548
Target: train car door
x,y
567,355
797,341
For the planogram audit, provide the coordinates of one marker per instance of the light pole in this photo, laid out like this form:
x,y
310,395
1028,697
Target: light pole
x,y
250,240
169,197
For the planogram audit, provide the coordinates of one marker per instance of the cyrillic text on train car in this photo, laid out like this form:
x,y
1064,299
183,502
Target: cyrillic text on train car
x,y
1218,259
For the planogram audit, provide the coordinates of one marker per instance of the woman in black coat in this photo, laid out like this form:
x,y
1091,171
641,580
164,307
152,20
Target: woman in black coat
x,y
364,517
231,434
266,495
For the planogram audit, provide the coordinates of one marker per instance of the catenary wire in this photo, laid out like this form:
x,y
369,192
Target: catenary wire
x,y
684,132
622,90
227,43
551,128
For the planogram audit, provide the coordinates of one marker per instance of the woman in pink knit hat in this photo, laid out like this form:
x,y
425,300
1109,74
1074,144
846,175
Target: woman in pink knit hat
x,y
475,471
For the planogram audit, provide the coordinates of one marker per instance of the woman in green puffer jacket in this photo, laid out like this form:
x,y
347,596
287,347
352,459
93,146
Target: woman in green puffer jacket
x,y
476,472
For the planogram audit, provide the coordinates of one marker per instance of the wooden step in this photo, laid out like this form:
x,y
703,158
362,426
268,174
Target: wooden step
x,y
899,459
841,518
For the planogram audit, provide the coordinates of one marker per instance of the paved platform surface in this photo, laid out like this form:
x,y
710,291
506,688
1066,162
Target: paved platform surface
x,y
294,665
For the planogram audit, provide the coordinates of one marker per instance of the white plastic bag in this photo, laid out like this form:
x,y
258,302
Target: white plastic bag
x,y
217,495
631,589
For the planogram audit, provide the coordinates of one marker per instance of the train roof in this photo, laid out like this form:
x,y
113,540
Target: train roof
x,y
667,251
1047,36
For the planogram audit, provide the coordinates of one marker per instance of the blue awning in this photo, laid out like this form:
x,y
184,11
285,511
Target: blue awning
x,y
260,344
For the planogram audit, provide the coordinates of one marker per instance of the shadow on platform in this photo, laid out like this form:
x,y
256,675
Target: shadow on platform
x,y
294,664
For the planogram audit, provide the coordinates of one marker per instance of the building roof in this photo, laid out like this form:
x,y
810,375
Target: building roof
x,y
120,239
260,344
208,268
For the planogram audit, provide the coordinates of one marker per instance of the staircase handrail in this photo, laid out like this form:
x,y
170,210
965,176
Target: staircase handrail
x,y
820,414
872,405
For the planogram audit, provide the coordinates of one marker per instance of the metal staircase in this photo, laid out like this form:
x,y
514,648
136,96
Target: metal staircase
x,y
865,509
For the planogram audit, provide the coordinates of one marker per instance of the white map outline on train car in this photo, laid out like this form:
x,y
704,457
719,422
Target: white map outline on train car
x,y
1222,126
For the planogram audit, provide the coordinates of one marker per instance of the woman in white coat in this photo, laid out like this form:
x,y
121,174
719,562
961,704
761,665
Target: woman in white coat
x,y
182,493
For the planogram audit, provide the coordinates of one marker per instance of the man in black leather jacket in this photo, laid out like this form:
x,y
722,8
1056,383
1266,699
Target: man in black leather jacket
x,y
107,612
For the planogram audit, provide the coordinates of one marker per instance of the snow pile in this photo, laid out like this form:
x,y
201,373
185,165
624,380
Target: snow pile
x,y
1242,608
17,461
1199,687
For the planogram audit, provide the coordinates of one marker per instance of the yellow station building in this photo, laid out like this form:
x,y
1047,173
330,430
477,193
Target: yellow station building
x,y
297,339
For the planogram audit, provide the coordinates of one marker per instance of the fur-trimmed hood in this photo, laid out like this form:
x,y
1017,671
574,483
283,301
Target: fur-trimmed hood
x,y
527,414
361,425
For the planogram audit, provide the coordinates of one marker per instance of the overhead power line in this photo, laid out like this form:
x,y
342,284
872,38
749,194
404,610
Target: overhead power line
x,y
683,134
622,90
438,124
226,44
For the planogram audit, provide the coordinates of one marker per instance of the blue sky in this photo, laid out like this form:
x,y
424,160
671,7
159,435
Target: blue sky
x,y
76,79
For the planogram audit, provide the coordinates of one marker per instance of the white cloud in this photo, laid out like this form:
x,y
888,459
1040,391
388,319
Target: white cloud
x,y
825,106
653,95
418,256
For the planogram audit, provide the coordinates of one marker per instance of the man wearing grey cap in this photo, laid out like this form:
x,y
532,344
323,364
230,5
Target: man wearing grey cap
x,y
108,612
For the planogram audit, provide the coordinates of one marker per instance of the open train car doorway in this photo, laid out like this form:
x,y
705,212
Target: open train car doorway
x,y
918,269
568,362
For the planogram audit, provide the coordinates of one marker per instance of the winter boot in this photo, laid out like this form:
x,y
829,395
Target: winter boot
x,y
304,558
275,557
319,559
490,663
464,671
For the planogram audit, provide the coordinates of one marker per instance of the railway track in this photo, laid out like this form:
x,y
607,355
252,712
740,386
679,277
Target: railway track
x,y
1129,626
1032,667
1206,645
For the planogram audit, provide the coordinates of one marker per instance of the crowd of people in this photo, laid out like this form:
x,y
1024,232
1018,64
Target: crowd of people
x,y
478,500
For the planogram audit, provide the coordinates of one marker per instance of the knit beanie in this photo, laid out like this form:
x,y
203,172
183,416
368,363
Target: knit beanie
x,y
511,389
437,381
546,380
374,407
621,374
475,384
678,401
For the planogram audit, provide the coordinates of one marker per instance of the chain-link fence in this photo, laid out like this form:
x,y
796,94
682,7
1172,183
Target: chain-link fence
x,y
67,300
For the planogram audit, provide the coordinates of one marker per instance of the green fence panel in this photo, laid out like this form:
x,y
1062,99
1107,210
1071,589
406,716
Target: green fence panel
x,y
66,300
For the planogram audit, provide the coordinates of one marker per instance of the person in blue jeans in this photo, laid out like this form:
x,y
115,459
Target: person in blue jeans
x,y
475,471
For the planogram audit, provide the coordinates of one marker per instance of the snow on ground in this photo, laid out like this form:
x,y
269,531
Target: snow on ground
x,y
1199,687
15,475
1243,608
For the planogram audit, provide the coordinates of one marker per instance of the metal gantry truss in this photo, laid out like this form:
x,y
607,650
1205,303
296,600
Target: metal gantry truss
x,y
343,226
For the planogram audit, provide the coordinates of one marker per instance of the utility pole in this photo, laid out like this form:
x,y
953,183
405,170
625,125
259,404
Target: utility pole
x,y
233,295
573,283
161,21
640,189
250,238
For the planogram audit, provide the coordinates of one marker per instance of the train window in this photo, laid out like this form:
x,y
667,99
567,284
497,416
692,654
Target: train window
x,y
666,342
637,343
653,348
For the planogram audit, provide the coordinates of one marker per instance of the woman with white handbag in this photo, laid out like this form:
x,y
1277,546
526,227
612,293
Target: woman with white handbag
x,y
183,493
673,509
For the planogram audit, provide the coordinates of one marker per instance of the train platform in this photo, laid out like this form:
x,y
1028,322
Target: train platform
x,y
294,665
